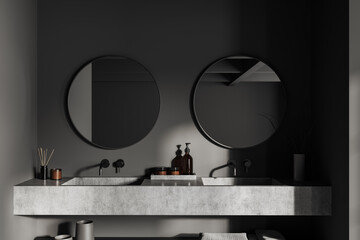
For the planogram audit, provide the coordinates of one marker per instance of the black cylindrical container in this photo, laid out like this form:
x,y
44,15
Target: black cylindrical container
x,y
44,172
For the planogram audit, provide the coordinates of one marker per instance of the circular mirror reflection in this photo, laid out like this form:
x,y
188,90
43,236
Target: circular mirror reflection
x,y
238,102
113,102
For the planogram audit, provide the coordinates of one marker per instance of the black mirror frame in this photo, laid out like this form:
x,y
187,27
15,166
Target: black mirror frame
x,y
193,112
66,103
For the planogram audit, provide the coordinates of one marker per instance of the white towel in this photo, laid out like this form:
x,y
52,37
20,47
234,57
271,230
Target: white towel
x,y
269,235
223,236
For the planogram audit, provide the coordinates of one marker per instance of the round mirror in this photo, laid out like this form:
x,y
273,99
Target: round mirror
x,y
238,102
113,102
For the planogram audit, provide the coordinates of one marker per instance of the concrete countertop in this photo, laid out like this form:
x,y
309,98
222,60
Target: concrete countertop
x,y
249,236
183,198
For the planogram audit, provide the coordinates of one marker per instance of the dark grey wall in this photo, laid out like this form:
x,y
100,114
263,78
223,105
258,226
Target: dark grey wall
x,y
328,150
330,94
17,110
354,129
176,40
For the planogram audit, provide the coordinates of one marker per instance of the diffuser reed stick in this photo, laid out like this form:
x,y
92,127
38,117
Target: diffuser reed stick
x,y
43,156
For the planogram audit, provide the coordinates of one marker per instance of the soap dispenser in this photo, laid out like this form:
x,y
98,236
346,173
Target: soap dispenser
x,y
187,160
177,161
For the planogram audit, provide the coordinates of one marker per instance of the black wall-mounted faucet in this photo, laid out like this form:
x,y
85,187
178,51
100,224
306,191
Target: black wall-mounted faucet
x,y
118,164
231,164
103,164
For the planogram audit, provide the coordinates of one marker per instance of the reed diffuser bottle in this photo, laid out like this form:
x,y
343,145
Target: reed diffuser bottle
x,y
44,156
187,160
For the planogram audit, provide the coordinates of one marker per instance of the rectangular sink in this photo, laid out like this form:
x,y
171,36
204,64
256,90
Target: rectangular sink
x,y
103,181
233,181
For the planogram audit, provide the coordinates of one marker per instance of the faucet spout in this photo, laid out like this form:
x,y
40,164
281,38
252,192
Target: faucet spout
x,y
229,164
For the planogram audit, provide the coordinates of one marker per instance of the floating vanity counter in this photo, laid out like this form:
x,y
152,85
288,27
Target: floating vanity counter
x,y
200,197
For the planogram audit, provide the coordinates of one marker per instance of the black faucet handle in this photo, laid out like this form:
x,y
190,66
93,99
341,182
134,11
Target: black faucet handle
x,y
231,163
118,164
104,163
247,164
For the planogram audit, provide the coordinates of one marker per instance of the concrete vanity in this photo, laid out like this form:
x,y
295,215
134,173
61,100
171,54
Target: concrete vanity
x,y
134,196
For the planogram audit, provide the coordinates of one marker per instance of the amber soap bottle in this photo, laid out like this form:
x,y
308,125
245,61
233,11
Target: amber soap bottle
x,y
177,161
187,161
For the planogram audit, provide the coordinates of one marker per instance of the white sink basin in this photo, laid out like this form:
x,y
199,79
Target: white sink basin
x,y
103,181
232,181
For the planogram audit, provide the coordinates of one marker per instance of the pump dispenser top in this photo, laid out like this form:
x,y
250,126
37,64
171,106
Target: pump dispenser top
x,y
178,151
187,149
